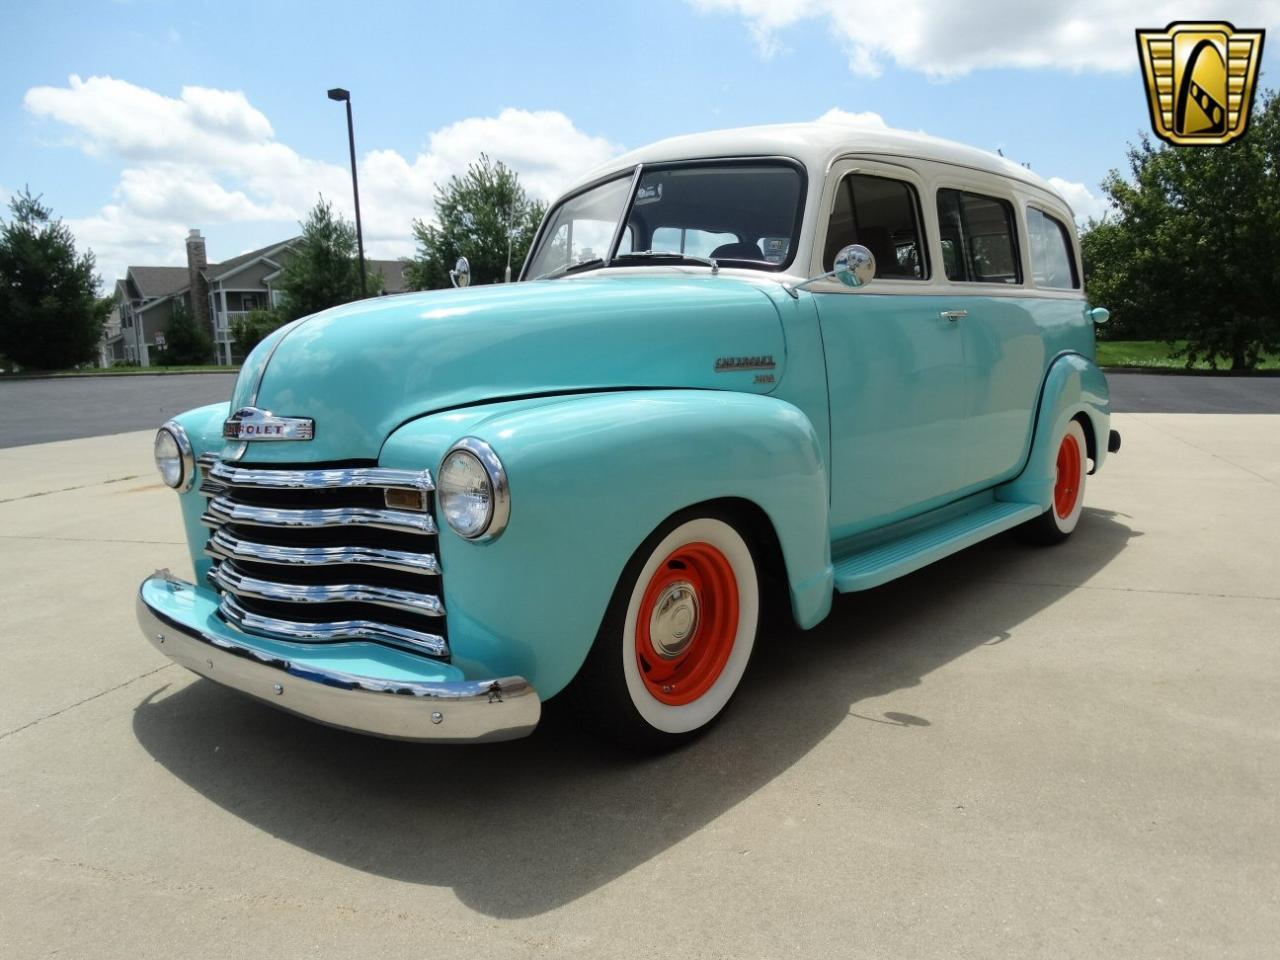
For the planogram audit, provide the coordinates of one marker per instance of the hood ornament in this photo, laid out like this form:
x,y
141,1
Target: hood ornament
x,y
252,424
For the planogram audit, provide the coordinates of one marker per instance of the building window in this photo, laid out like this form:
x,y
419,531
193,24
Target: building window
x,y
979,242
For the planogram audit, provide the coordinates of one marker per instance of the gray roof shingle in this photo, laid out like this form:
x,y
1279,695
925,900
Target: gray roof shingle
x,y
153,282
215,270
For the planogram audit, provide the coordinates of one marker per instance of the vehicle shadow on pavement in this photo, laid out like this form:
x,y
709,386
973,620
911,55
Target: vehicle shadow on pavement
x,y
521,828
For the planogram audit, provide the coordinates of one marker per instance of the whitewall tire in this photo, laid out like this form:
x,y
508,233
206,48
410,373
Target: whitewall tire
x,y
678,637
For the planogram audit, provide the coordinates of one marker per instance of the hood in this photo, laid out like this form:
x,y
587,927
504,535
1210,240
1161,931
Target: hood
x,y
363,369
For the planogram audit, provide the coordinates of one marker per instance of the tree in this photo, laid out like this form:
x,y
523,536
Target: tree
x,y
186,341
250,331
324,270
1193,251
478,216
50,313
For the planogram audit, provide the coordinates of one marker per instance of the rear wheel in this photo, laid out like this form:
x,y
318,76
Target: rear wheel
x,y
1056,523
677,638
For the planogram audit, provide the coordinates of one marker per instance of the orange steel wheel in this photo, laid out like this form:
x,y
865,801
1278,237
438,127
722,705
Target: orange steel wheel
x,y
687,623
1070,473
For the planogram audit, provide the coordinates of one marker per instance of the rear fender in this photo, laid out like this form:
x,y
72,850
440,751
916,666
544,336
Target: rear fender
x,y
1074,387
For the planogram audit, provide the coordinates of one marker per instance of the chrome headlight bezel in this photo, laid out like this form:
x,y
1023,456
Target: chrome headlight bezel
x,y
186,457
500,490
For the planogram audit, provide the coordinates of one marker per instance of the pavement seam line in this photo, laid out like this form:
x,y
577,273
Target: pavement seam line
x,y
83,486
1195,446
78,703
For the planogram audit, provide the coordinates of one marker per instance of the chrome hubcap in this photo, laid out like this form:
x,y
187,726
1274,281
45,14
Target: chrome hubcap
x,y
674,619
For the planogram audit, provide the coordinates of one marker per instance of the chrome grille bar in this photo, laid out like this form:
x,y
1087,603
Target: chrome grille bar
x,y
226,576
322,479
226,546
337,630
274,533
222,510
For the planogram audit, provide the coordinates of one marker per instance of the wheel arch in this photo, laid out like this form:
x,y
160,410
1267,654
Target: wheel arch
x,y
1073,389
591,477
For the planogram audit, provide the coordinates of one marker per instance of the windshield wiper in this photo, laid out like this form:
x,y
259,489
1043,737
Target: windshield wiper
x,y
570,268
669,255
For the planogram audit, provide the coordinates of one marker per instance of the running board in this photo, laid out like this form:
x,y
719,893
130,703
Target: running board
x,y
895,558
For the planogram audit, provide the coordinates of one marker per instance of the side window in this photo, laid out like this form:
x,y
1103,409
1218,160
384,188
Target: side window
x,y
1052,263
884,216
981,237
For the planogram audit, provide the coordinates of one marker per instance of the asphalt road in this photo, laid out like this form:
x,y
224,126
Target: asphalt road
x,y
1193,393
67,408
38,411
1066,752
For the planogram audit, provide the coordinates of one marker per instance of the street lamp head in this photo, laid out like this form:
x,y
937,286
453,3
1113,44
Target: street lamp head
x,y
337,93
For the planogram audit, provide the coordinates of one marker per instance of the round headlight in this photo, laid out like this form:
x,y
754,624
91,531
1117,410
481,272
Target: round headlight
x,y
175,458
472,490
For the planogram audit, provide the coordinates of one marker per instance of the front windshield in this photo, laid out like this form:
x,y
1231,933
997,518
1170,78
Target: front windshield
x,y
741,213
581,229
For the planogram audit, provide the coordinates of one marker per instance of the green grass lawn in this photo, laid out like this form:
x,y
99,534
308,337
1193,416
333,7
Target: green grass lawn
x,y
1155,354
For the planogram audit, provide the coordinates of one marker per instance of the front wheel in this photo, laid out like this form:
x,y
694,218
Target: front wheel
x,y
677,637
1056,523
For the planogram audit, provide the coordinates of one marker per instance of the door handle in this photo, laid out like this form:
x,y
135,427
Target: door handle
x,y
954,315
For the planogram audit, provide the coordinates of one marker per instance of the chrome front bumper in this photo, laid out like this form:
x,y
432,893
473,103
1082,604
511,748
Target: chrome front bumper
x,y
449,711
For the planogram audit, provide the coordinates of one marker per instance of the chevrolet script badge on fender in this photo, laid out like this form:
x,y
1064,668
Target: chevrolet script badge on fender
x,y
250,423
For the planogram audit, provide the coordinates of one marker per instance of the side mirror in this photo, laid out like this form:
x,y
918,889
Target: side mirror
x,y
1099,315
460,275
855,265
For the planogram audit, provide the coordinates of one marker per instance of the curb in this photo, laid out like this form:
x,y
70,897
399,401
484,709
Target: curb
x,y
230,371
1181,372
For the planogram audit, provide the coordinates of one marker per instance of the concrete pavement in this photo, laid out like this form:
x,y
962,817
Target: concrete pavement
x,y
1020,752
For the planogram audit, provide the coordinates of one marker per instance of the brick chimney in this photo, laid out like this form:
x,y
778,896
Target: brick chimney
x,y
197,260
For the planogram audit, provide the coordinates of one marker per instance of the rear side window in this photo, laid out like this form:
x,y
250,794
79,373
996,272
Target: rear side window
x,y
1052,264
884,216
979,242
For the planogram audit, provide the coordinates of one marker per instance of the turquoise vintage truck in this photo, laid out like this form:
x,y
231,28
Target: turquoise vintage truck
x,y
741,369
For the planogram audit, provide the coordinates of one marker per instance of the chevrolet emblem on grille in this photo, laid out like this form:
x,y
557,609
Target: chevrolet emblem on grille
x,y
250,423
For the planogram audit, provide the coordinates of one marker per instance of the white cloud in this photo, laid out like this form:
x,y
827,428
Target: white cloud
x,y
865,119
944,39
209,157
1085,204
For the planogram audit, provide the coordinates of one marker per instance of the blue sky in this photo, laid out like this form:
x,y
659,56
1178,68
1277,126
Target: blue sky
x,y
131,161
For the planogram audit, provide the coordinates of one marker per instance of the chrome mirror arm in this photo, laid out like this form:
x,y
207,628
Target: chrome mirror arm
x,y
855,266
795,288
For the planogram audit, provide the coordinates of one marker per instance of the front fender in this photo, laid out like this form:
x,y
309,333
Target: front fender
x,y
591,477
1074,386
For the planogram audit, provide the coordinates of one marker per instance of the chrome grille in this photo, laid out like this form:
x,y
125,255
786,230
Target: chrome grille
x,y
314,554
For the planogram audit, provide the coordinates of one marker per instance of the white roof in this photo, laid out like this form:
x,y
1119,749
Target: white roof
x,y
817,144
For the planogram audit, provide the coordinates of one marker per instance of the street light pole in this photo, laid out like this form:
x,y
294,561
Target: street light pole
x,y
344,96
